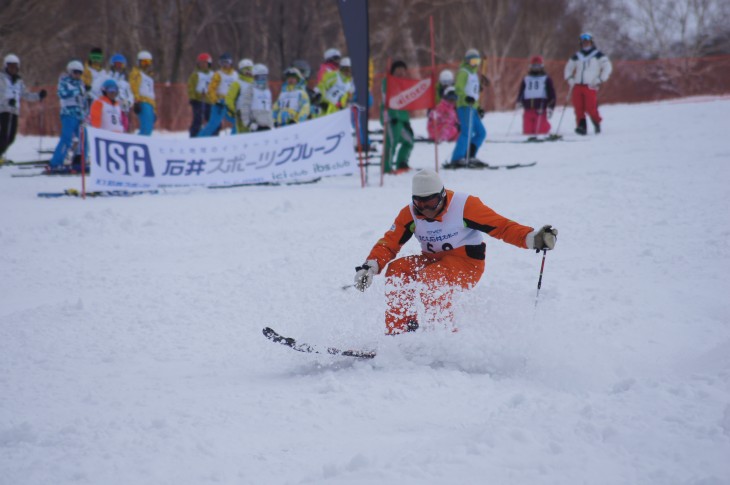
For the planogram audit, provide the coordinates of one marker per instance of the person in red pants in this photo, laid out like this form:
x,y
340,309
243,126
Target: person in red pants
x,y
585,72
537,96
449,226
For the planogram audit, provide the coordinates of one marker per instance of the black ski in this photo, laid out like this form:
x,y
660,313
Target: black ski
x,y
105,193
272,335
477,165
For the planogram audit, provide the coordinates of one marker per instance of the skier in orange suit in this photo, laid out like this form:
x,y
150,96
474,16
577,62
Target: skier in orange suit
x,y
449,227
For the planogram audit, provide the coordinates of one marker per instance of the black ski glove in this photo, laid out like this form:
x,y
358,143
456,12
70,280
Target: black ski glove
x,y
11,102
42,94
469,100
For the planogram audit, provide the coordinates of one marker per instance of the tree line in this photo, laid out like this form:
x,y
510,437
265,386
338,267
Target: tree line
x,y
47,34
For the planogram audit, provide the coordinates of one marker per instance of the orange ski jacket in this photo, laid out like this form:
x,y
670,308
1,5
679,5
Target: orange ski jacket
x,y
477,217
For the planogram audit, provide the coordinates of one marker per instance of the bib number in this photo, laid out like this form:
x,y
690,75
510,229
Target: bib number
x,y
444,247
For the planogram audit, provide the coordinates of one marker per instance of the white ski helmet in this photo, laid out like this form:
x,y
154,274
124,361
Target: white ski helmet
x,y
345,62
244,63
260,70
446,77
427,182
144,56
331,53
74,66
11,59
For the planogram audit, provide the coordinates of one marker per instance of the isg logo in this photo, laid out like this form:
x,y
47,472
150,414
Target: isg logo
x,y
124,158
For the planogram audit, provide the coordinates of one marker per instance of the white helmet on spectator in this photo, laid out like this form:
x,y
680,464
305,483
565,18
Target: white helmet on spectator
x,y
245,63
260,70
144,56
74,66
345,62
11,59
332,53
446,77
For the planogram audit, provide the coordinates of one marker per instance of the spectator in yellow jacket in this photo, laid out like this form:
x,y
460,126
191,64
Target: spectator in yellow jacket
x,y
198,92
238,87
217,90
143,89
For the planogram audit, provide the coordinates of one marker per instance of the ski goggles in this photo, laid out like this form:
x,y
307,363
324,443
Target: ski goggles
x,y
428,202
77,72
111,90
475,61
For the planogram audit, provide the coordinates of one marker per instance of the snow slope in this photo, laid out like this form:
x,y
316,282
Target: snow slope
x,y
131,347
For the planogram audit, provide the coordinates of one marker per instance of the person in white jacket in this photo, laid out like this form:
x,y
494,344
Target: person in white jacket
x,y
12,90
585,72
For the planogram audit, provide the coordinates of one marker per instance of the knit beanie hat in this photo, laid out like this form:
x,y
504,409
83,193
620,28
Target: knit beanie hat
x,y
426,182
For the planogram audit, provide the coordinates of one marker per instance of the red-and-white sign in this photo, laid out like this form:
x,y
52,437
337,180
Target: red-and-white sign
x,y
410,94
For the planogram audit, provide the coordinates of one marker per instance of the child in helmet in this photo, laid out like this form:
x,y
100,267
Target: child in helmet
x,y
198,83
106,112
125,98
537,96
446,79
143,89
443,124
472,134
12,90
72,98
293,103
217,91
245,78
254,103
337,87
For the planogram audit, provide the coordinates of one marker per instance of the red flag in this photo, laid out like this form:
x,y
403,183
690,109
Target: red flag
x,y
410,94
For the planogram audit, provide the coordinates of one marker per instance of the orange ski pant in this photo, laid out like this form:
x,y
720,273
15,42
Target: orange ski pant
x,y
430,280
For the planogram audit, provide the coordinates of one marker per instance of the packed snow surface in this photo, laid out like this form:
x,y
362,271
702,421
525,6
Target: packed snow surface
x,y
130,328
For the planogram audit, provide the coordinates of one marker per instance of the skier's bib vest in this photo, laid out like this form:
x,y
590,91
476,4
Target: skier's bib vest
x,y
245,87
536,87
147,86
226,81
261,100
125,96
472,84
97,79
338,89
448,234
111,117
290,100
203,81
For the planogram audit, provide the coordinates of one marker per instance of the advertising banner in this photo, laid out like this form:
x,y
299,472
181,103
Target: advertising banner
x,y
296,153
410,94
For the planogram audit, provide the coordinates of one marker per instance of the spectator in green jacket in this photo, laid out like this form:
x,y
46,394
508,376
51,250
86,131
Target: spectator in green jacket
x,y
473,133
397,128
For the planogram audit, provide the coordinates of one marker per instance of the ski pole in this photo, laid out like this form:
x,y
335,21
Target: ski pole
x,y
468,138
509,128
567,100
539,281
42,126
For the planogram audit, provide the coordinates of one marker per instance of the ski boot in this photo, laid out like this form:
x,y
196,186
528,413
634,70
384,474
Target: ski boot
x,y
582,128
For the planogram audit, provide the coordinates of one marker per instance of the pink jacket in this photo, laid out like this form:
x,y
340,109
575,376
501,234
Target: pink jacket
x,y
443,123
